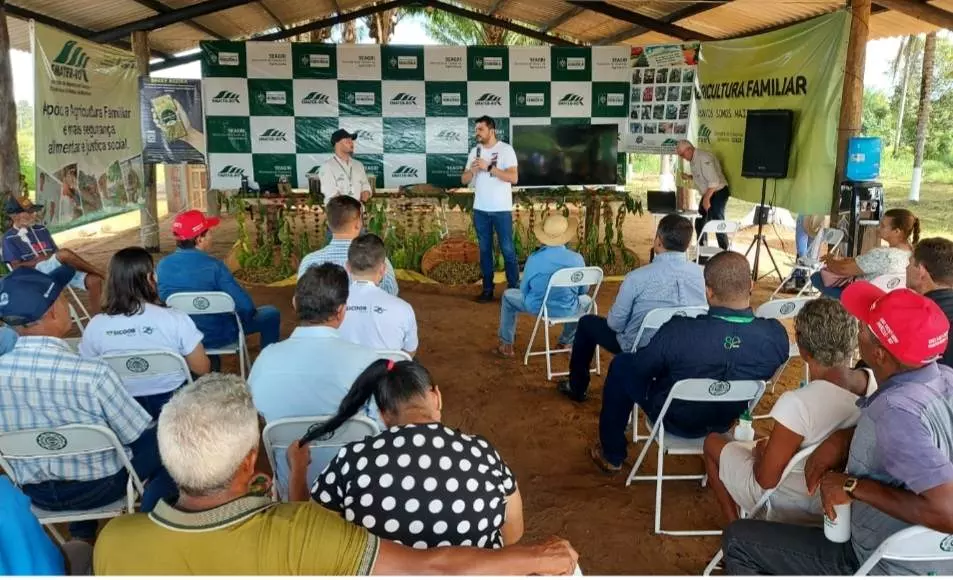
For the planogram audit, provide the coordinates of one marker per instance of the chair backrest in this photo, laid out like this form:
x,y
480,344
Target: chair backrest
x,y
796,464
782,309
575,277
147,363
659,316
65,441
714,391
196,303
890,282
394,355
830,236
721,227
278,435
913,544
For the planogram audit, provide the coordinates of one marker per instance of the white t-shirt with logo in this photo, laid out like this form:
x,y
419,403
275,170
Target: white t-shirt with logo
x,y
378,320
156,328
492,193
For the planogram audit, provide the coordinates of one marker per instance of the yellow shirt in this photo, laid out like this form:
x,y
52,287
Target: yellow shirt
x,y
249,536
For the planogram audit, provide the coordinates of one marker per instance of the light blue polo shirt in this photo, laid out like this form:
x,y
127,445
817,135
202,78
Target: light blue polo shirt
x,y
25,549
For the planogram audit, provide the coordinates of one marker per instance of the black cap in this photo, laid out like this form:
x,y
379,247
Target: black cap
x,y
341,134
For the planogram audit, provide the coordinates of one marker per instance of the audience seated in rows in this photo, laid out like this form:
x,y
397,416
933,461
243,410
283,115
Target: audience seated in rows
x,y
374,318
29,244
727,344
344,218
208,437
899,228
554,233
46,385
192,269
669,281
419,483
134,320
740,472
930,273
899,457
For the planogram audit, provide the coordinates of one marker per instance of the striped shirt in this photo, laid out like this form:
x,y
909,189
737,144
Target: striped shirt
x,y
43,384
336,253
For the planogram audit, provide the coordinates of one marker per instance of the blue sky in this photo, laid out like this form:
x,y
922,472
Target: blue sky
x,y
411,31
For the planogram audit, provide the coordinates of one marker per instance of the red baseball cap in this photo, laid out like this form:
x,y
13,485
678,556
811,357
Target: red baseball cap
x,y
911,327
192,224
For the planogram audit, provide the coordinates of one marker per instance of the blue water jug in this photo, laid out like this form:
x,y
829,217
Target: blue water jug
x,y
863,158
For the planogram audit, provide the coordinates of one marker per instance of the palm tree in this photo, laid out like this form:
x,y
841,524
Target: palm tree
x,y
451,29
907,55
923,114
382,24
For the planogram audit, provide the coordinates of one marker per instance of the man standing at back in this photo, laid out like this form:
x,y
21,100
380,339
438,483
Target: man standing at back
x,y
710,182
931,273
491,169
669,281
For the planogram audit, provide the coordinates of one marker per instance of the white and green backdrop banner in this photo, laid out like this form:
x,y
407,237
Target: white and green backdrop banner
x,y
270,109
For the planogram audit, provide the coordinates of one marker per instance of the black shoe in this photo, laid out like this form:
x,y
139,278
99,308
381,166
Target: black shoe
x,y
485,297
564,388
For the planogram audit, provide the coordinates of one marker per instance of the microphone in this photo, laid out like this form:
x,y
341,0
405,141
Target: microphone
x,y
479,152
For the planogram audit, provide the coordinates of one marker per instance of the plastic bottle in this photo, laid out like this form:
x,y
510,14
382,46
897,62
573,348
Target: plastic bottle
x,y
839,529
744,431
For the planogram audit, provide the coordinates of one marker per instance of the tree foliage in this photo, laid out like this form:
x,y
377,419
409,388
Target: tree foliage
x,y
447,28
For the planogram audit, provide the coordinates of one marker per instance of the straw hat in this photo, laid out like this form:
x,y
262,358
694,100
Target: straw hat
x,y
813,224
556,230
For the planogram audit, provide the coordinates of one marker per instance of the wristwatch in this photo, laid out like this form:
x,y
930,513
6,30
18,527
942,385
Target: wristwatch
x,y
850,485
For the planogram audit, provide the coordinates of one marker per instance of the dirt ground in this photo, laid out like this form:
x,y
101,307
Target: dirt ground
x,y
542,435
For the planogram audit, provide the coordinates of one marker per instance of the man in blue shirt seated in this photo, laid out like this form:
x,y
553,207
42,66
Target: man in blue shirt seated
x,y
556,231
192,269
29,244
727,344
669,281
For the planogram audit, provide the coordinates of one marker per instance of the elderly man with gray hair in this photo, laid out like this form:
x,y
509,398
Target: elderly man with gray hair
x,y
710,182
208,438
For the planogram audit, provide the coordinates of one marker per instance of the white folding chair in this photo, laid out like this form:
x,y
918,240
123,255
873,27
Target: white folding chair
x,y
69,441
203,303
147,363
831,237
913,544
697,390
714,227
794,467
890,282
565,278
278,435
654,321
784,309
394,355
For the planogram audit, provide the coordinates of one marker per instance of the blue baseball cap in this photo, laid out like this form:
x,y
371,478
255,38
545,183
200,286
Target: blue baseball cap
x,y
15,205
27,294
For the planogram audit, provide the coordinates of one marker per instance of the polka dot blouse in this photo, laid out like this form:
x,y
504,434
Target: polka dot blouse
x,y
420,485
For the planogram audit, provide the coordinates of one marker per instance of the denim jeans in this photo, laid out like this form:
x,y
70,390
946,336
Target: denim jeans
x,y
153,403
85,495
719,201
757,547
485,223
802,242
818,283
512,304
593,331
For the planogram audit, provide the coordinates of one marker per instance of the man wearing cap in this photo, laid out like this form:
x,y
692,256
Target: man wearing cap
x,y
554,233
898,459
342,174
29,244
45,385
192,269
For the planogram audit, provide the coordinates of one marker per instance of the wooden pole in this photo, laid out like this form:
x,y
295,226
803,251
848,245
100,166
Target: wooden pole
x,y
149,213
852,100
9,151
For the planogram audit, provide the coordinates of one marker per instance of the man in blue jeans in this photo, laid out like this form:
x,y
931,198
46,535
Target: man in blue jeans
x,y
192,269
45,385
491,168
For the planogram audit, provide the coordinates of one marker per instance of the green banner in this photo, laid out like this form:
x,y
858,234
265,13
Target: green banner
x,y
801,68
228,135
313,134
402,63
404,135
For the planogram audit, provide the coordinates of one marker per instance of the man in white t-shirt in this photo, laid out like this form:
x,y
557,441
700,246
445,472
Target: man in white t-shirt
x,y
491,169
374,318
740,472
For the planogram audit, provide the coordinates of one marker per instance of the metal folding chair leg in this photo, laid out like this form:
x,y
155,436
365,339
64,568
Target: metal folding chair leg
x,y
714,564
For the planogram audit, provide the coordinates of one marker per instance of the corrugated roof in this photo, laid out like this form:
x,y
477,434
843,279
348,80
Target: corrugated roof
x,y
736,17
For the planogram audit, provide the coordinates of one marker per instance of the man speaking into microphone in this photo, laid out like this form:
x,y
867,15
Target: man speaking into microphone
x,y
491,168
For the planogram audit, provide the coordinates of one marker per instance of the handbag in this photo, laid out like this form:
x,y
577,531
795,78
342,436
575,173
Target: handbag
x,y
832,280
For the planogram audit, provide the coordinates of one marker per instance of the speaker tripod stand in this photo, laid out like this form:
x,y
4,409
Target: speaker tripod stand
x,y
760,240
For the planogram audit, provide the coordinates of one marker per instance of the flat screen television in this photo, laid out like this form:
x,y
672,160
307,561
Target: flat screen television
x,y
551,155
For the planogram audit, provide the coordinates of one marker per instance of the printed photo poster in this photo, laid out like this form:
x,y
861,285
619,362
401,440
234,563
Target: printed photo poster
x,y
88,131
172,124
662,96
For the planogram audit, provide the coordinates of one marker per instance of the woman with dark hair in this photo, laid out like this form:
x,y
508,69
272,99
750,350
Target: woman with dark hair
x,y
419,483
133,319
900,228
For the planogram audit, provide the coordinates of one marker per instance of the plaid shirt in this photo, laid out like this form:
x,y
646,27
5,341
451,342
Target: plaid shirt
x,y
43,384
336,253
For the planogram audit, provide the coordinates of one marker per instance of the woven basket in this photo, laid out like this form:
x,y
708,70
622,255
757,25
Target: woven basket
x,y
450,250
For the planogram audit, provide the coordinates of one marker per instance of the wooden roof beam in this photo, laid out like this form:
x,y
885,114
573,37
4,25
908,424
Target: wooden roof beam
x,y
494,21
272,15
562,18
495,7
161,8
167,19
640,20
680,14
921,11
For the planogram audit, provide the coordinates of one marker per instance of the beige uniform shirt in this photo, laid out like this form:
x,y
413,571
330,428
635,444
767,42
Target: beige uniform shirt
x,y
706,172
343,178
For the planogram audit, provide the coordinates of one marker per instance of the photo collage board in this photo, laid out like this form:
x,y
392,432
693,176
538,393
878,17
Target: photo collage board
x,y
662,96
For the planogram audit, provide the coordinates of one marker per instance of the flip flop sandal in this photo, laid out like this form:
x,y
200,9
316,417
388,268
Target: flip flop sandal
x,y
499,352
